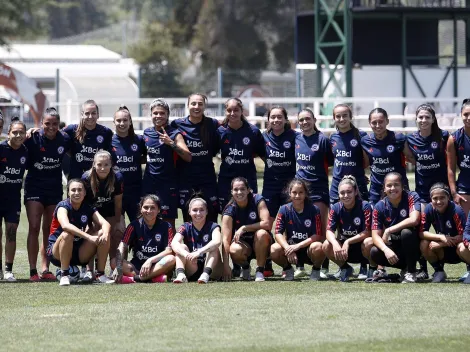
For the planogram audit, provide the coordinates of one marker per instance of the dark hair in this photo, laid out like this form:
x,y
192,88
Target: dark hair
x,y
440,186
357,135
294,182
15,120
465,102
378,111
436,132
284,113
75,180
205,123
162,103
390,174
239,104
154,198
310,111
62,124
51,112
131,131
350,180
245,182
81,130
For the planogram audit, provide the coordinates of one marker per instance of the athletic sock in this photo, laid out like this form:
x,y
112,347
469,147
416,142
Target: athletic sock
x,y
180,271
33,272
437,266
326,264
64,272
246,266
208,270
316,268
9,267
99,273
287,267
345,266
260,269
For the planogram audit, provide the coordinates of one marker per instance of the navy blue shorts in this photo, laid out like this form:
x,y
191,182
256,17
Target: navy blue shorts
x,y
200,269
248,240
107,211
224,191
451,256
45,199
355,253
319,195
137,263
130,205
75,260
274,199
11,213
302,257
209,193
168,197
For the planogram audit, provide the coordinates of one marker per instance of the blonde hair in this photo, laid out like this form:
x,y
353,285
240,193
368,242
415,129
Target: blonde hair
x,y
93,176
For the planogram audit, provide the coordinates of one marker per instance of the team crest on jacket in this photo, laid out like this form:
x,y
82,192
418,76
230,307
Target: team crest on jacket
x,y
252,215
158,237
246,141
308,223
60,150
357,221
390,148
286,144
315,147
134,147
22,160
205,238
84,218
99,139
403,212
434,145
448,224
353,142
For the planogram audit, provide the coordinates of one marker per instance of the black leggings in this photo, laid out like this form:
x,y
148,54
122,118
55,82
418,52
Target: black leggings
x,y
405,244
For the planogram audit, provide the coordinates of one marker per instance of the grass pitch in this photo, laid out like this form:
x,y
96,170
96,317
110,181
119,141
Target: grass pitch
x,y
238,316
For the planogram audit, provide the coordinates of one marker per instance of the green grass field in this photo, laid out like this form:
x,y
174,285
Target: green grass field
x,y
238,316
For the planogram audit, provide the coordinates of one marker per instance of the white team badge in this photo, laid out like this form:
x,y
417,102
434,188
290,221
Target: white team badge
x,y
269,162
60,150
252,215
353,142
22,160
79,157
134,147
39,166
448,224
357,221
315,147
246,141
286,144
158,237
403,212
390,148
229,160
84,218
99,139
2,179
205,238
434,145
308,223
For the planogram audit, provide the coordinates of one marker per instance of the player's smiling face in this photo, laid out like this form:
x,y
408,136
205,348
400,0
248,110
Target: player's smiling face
x,y
198,211
347,195
277,120
149,210
466,116
17,135
122,121
297,194
159,117
424,120
76,192
240,192
196,106
378,123
439,200
233,111
342,117
102,165
90,116
50,124
393,187
306,122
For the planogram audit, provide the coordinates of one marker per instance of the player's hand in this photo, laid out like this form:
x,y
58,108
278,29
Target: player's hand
x,y
192,256
290,250
458,199
452,241
117,275
31,131
227,276
238,234
292,258
391,256
165,138
145,269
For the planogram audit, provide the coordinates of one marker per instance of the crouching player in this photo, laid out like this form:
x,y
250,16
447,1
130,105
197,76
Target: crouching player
x,y
245,230
69,244
196,245
351,219
298,233
150,238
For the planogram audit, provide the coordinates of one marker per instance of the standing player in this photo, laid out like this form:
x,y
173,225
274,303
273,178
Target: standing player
x,y
448,220
426,148
395,221
197,245
88,137
13,162
313,157
298,232
150,238
458,154
128,151
163,144
69,243
239,142
350,219
198,176
245,231
43,187
384,150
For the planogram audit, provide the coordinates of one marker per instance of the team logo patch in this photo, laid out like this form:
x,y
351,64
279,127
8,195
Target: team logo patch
x,y
38,166
22,160
315,147
60,150
99,139
205,238
158,237
181,201
390,148
286,144
308,223
79,157
434,145
269,162
84,218
403,212
448,224
2,179
252,215
229,160
353,142
134,147
246,141
357,221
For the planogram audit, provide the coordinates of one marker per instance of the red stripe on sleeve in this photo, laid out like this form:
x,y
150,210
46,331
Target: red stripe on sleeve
x,y
127,234
330,218
318,224
375,220
411,203
367,219
458,224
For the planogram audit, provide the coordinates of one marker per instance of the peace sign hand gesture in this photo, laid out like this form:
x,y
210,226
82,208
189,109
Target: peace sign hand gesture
x,y
165,138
